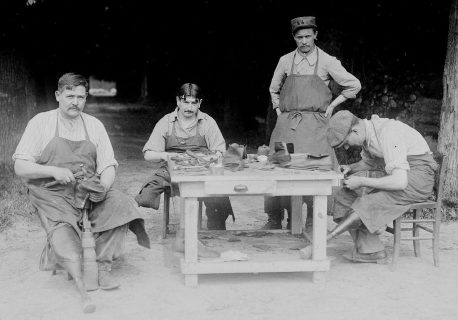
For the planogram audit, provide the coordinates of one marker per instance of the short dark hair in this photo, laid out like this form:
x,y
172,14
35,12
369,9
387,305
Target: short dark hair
x,y
71,80
189,90
313,28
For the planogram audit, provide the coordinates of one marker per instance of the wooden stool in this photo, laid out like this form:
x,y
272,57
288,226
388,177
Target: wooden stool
x,y
417,223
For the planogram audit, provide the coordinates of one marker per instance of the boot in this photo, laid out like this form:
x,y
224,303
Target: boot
x,y
106,281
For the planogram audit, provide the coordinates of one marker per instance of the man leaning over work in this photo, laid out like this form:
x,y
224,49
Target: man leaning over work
x,y
408,177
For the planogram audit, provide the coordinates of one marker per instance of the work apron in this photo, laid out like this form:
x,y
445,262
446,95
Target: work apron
x,y
377,208
303,102
217,209
57,203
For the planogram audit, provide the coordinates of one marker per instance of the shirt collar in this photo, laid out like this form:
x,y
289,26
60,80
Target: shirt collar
x,y
174,115
310,58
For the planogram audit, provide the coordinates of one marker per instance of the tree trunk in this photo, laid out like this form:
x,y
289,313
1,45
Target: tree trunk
x,y
448,134
17,105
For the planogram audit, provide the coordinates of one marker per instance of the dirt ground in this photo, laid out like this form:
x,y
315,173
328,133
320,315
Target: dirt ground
x,y
152,286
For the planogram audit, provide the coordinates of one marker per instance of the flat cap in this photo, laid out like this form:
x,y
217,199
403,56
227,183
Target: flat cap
x,y
302,23
339,127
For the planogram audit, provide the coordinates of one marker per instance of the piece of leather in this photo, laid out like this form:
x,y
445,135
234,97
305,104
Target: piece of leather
x,y
233,159
149,195
310,162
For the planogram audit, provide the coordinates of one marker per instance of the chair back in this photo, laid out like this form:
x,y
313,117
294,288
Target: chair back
x,y
440,174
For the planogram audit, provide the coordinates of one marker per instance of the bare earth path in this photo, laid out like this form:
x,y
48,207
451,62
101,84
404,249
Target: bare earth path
x,y
153,288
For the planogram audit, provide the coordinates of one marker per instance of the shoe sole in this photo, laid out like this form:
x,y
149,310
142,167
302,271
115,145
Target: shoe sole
x,y
353,259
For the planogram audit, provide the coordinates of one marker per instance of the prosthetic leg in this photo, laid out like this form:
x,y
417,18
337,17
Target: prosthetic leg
x,y
352,221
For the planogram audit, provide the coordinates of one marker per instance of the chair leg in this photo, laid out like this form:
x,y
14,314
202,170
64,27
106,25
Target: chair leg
x,y
396,242
199,217
416,233
436,229
165,216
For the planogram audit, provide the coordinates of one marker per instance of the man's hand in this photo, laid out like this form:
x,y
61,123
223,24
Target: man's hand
x,y
344,169
353,182
63,175
98,196
278,111
329,111
166,155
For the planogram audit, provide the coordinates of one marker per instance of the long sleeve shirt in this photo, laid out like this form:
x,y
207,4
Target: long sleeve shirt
x,y
207,126
328,67
42,128
392,141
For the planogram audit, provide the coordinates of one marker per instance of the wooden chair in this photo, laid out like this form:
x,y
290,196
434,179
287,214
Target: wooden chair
x,y
416,222
166,214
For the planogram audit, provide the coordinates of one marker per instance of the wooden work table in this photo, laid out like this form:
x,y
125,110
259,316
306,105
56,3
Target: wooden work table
x,y
248,182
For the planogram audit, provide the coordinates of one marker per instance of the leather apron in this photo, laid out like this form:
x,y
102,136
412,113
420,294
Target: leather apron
x,y
218,208
377,208
173,143
57,203
303,102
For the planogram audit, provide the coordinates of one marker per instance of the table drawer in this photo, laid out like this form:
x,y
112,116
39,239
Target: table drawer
x,y
240,187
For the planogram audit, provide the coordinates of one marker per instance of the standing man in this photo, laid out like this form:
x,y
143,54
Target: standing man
x,y
303,102
409,178
188,128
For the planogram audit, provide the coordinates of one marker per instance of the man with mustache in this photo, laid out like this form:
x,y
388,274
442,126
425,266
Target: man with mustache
x,y
187,128
55,146
303,104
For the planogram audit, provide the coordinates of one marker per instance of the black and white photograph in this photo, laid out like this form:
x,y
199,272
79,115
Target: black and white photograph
x,y
216,159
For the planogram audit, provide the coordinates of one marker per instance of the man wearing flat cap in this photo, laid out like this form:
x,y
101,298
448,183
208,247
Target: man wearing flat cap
x,y
303,102
408,177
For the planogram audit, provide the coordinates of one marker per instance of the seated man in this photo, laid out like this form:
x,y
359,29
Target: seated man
x,y
54,147
188,128
409,167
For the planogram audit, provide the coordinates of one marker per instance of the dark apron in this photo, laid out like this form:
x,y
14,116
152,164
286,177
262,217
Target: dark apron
x,y
57,203
377,208
219,207
303,102
176,144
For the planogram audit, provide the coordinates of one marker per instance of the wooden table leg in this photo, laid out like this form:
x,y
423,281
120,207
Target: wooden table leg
x,y
296,215
319,234
190,236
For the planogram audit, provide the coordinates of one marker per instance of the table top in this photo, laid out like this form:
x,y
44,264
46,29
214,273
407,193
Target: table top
x,y
253,172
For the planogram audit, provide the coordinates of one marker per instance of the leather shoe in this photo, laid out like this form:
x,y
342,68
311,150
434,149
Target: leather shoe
x,y
375,257
106,282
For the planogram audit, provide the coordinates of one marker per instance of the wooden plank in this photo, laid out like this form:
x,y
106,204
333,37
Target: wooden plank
x,y
298,265
319,227
297,220
190,233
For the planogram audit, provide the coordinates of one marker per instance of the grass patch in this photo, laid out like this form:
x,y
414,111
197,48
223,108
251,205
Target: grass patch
x,y
14,201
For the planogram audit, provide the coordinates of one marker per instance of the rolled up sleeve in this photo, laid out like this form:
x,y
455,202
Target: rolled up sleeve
x,y
214,137
31,144
105,153
156,141
351,85
394,150
276,83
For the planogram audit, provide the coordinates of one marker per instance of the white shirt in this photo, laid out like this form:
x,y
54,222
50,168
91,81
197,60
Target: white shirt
x,y
393,141
42,128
